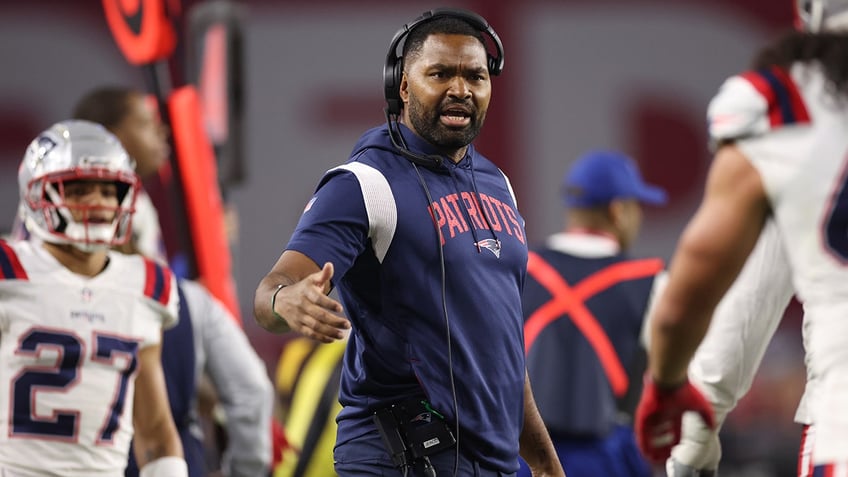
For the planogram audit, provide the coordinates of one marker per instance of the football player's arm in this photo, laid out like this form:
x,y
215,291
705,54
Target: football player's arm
x,y
156,443
241,382
727,360
712,250
535,444
709,256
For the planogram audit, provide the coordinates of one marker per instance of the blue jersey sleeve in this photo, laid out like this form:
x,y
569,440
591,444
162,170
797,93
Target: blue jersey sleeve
x,y
334,225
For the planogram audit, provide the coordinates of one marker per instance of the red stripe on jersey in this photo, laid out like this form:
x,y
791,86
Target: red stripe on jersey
x,y
785,105
795,100
149,278
166,287
825,470
10,266
763,87
157,281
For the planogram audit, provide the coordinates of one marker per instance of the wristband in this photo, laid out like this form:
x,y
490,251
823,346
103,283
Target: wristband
x,y
170,466
274,301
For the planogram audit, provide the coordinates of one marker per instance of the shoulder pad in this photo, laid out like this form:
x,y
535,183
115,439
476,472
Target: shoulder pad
x,y
753,103
160,286
10,265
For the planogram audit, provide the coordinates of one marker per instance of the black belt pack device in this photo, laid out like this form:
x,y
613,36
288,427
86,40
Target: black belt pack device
x,y
414,428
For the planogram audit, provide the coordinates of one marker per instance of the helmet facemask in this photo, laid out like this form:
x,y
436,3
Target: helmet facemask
x,y
95,226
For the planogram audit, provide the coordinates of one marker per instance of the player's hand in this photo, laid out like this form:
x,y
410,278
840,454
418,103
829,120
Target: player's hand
x,y
699,450
659,415
676,469
309,311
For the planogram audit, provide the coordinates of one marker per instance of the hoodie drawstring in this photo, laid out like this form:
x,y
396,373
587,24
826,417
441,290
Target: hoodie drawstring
x,y
479,203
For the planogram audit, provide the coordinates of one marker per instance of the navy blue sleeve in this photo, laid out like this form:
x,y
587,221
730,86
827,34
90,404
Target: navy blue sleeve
x,y
334,225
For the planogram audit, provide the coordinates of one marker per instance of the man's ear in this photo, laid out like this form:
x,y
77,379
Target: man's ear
x,y
403,89
616,211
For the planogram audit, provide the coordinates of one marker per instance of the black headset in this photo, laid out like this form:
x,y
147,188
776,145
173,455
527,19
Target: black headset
x,y
393,72
393,69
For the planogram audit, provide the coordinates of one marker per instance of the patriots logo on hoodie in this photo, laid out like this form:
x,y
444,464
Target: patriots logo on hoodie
x,y
491,245
309,204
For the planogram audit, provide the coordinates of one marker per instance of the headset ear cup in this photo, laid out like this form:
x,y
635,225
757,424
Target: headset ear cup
x,y
392,74
398,77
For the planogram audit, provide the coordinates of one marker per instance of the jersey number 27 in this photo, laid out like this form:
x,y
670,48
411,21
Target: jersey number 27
x,y
63,425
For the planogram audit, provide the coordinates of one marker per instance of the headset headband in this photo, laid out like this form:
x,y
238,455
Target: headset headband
x,y
393,69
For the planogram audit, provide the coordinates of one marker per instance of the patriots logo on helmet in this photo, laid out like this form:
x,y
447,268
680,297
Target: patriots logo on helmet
x,y
45,144
491,245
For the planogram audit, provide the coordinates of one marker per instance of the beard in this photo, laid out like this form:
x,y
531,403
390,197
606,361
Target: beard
x,y
428,126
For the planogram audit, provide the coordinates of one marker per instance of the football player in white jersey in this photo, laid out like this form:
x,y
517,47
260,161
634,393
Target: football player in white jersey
x,y
80,326
726,361
781,155
208,344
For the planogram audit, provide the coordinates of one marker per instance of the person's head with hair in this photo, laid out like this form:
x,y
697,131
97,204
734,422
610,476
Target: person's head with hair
x,y
129,115
446,85
821,37
604,191
446,25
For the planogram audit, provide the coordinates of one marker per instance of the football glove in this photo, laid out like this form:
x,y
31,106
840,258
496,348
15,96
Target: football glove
x,y
659,415
699,450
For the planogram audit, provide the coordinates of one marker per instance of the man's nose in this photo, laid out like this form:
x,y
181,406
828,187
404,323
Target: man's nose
x,y
458,88
98,194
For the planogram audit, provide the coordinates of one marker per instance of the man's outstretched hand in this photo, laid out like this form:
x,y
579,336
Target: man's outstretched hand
x,y
659,415
309,311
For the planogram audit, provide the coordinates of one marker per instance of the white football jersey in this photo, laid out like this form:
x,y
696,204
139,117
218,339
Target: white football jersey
x,y
794,133
68,358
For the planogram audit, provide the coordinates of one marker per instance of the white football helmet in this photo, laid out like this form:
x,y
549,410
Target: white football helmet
x,y
821,15
72,151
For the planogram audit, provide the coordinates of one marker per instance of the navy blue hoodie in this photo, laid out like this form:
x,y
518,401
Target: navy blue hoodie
x,y
370,218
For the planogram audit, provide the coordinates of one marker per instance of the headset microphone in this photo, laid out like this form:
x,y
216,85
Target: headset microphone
x,y
430,161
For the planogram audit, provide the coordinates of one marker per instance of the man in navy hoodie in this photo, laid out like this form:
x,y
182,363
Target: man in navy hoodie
x,y
421,237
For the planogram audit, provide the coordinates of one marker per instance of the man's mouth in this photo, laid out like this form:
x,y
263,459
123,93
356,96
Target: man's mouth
x,y
455,117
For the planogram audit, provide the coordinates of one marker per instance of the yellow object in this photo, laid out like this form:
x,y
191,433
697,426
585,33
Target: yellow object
x,y
304,371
